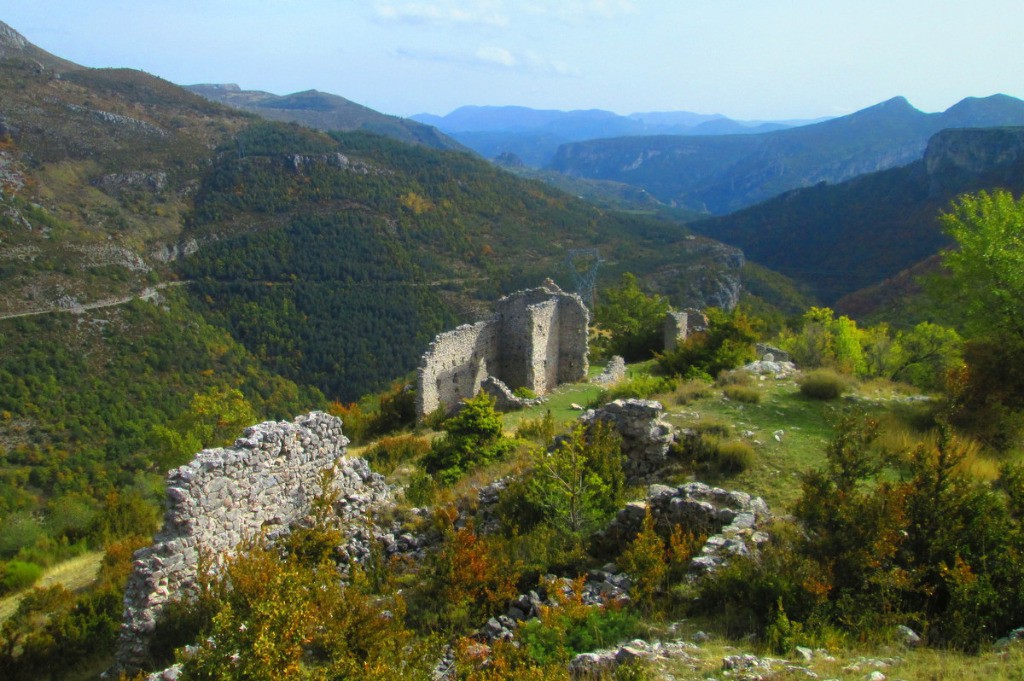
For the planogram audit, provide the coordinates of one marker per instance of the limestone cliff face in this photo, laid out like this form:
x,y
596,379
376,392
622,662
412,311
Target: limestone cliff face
x,y
974,151
708,277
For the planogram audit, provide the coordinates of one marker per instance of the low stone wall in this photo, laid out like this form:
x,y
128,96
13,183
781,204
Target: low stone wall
x,y
614,372
260,486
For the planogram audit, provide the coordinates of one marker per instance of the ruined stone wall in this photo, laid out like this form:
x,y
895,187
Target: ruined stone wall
x,y
455,365
536,339
262,484
679,325
675,329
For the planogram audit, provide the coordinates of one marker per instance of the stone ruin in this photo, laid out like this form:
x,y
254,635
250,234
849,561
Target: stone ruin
x,y
730,519
261,486
646,437
679,325
536,339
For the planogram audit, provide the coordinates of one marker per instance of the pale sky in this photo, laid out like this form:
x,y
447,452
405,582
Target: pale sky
x,y
747,59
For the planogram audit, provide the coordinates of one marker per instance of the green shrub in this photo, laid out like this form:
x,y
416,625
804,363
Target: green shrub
x,y
421,490
734,457
472,437
389,452
734,377
524,393
397,410
691,391
727,344
823,384
742,393
642,387
18,574
712,428
539,430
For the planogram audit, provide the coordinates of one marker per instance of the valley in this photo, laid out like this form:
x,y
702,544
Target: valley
x,y
827,456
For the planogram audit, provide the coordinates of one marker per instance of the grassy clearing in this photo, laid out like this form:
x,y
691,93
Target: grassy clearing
x,y
895,662
788,431
74,574
560,403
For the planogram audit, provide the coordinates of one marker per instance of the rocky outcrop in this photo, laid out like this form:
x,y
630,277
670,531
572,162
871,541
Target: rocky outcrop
x,y
536,339
729,519
260,486
708,275
646,437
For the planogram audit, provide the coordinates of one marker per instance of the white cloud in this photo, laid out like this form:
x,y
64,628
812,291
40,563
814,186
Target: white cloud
x,y
578,10
493,57
479,12
496,55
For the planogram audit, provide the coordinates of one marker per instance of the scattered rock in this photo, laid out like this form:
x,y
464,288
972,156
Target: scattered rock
x,y
728,518
908,636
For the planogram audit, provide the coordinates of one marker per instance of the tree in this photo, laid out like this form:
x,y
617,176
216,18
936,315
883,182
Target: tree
x,y
986,281
986,270
632,318
473,436
215,417
579,484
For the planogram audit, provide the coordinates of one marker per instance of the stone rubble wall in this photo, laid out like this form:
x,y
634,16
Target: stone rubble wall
x,y
505,399
614,372
455,365
536,339
646,437
261,485
729,519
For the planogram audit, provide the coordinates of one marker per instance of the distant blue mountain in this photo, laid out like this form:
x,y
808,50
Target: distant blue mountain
x,y
723,173
535,134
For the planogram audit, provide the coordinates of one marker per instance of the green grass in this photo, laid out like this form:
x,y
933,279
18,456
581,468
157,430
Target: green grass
x,y
559,401
922,664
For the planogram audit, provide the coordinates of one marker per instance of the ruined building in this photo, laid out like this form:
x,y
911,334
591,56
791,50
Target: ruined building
x,y
679,325
536,339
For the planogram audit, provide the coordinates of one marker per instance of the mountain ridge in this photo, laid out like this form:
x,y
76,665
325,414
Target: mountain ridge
x,y
724,174
324,111
535,134
840,238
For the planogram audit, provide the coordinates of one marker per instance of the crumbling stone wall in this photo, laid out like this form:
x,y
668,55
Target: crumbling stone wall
x,y
536,339
679,325
261,485
646,436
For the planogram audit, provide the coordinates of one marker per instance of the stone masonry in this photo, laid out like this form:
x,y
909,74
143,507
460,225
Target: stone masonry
x,y
260,486
536,339
679,325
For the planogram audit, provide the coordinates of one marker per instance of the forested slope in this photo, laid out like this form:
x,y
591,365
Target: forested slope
x,y
335,259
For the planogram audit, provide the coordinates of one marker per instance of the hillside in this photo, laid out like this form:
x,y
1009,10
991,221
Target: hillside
x,y
324,111
837,239
364,248
725,173
165,259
